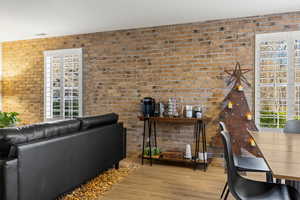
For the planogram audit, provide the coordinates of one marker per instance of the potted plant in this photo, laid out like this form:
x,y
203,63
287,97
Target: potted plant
x,y
8,119
155,152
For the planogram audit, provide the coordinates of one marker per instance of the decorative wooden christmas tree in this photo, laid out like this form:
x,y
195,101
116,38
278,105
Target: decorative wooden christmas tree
x,y
235,112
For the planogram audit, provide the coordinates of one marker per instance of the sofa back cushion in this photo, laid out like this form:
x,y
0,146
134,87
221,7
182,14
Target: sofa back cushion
x,y
97,121
53,129
9,137
17,135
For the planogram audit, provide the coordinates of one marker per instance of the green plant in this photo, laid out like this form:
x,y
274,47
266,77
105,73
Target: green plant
x,y
8,119
154,151
147,151
272,119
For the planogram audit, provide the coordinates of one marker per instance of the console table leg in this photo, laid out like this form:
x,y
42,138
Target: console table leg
x,y
203,131
149,142
196,144
155,139
143,148
199,134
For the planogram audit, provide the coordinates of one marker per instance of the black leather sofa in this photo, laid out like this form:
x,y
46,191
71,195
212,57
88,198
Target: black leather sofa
x,y
44,161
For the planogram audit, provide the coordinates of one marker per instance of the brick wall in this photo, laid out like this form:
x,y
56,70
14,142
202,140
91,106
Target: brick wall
x,y
186,61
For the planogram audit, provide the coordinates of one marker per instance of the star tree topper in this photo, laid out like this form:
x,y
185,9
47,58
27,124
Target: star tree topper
x,y
237,75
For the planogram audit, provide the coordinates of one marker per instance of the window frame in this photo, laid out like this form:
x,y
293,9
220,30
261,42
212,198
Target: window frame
x,y
290,38
61,53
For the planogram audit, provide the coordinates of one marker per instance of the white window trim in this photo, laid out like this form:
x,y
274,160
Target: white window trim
x,y
289,37
59,53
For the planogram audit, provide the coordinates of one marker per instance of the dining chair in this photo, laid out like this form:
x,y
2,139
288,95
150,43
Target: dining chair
x,y
292,126
248,164
246,189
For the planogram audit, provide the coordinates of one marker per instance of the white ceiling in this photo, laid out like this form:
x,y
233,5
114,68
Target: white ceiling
x,y
23,19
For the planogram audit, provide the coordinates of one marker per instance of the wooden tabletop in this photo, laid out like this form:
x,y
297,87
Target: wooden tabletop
x,y
282,153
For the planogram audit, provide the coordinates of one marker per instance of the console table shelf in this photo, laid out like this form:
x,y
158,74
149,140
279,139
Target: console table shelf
x,y
175,160
150,124
182,120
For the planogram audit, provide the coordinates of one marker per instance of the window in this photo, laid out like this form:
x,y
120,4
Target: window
x,y
277,79
63,84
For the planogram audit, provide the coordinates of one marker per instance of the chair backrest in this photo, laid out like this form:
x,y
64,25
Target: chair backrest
x,y
292,126
232,174
223,126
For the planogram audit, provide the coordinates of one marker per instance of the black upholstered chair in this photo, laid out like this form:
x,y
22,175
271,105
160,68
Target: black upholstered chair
x,y
246,189
248,164
292,126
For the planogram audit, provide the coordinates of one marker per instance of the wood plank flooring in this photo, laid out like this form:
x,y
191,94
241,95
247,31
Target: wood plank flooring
x,y
164,182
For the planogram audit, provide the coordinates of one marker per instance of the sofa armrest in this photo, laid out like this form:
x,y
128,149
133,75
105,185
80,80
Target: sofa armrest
x,y
9,172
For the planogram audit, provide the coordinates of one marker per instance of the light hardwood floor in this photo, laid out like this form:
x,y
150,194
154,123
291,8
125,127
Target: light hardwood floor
x,y
163,182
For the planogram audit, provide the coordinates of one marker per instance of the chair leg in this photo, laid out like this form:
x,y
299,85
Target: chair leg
x,y
278,181
288,182
224,189
269,177
227,193
294,184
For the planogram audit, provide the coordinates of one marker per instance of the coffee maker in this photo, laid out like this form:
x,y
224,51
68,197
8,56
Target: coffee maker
x,y
148,106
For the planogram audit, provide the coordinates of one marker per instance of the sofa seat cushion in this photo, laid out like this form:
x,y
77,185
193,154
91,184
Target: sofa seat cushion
x,y
97,121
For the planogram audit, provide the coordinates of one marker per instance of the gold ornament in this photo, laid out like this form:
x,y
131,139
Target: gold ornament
x,y
240,88
230,105
249,116
252,142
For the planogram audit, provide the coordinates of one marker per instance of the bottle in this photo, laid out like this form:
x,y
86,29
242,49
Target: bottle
x,y
188,151
198,112
189,111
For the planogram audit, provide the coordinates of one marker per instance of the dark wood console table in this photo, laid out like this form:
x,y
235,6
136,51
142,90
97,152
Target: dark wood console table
x,y
150,124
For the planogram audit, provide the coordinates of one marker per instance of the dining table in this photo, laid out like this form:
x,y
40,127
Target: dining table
x,y
281,151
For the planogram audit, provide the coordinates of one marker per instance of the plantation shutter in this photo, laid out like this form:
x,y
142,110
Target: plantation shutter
x,y
63,84
277,79
296,54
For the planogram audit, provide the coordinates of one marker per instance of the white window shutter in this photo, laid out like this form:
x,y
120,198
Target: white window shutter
x,y
63,84
277,79
296,64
